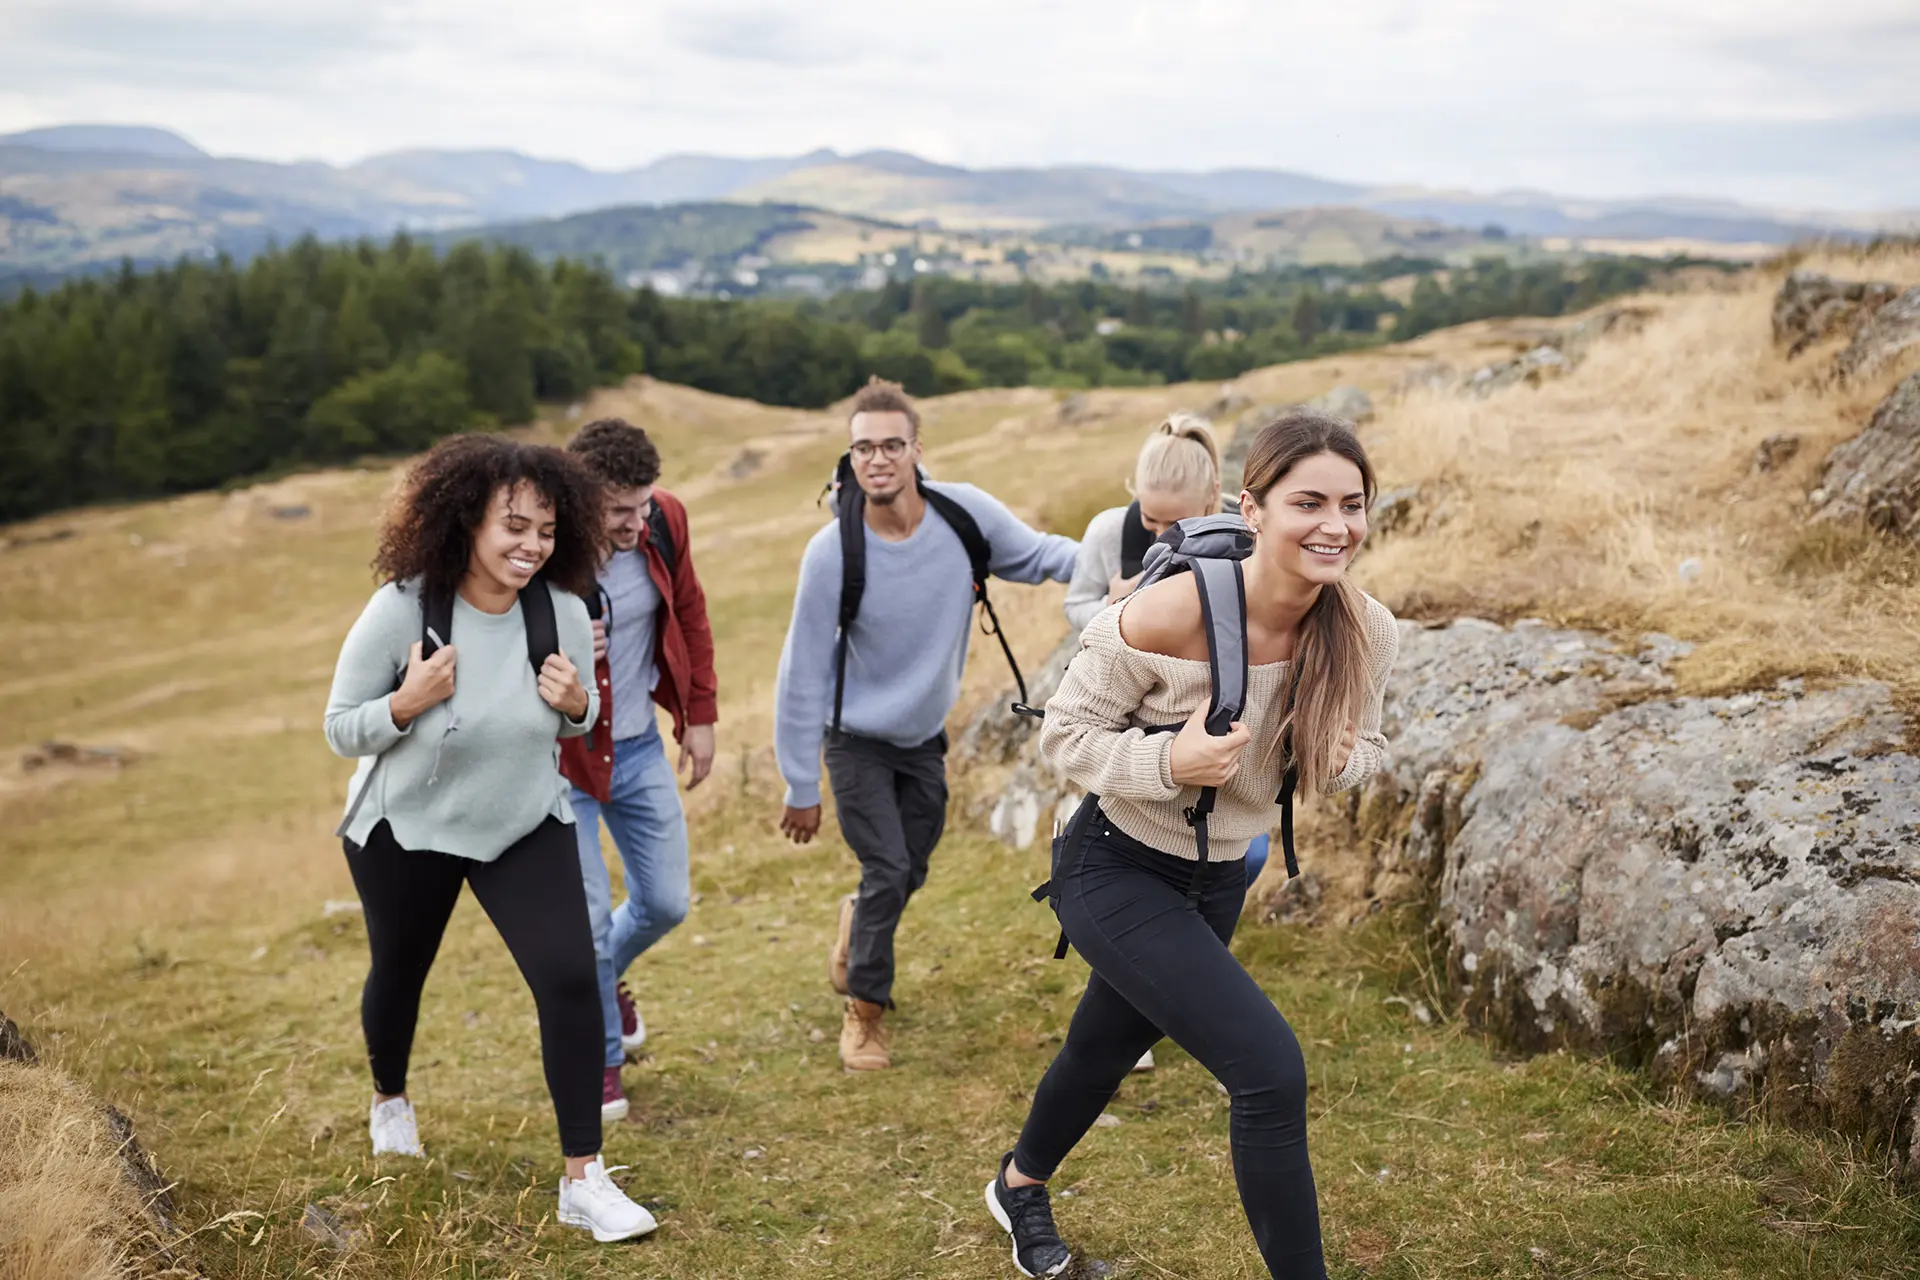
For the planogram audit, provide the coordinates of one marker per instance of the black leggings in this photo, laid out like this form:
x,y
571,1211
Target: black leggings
x,y
1161,967
533,895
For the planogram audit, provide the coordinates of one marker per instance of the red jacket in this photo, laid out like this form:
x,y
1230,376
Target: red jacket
x,y
682,653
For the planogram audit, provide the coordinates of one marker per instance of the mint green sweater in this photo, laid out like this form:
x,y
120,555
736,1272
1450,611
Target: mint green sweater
x,y
477,772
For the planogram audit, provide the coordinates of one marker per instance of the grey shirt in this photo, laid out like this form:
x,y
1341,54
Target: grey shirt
x,y
1095,567
632,604
907,648
480,770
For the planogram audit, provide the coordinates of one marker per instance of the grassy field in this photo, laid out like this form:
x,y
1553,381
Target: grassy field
x,y
166,941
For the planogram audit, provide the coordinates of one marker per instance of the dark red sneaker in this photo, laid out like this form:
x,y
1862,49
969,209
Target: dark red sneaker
x,y
633,1032
613,1098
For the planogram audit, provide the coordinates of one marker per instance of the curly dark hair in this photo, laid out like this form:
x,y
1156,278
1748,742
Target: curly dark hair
x,y
618,452
428,529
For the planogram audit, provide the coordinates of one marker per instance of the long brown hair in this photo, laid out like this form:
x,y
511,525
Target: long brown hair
x,y
1330,672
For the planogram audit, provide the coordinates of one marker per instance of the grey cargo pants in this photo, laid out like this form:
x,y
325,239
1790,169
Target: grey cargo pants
x,y
892,805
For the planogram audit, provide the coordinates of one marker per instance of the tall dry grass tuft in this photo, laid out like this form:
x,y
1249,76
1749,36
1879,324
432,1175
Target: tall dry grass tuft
x,y
1624,497
67,1212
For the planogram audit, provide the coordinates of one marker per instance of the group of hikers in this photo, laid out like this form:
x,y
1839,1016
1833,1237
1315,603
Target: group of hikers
x,y
500,692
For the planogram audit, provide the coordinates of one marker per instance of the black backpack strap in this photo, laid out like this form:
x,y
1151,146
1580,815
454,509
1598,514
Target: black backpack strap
x,y
660,534
1289,781
980,557
852,510
1065,843
1223,616
1135,538
543,632
436,620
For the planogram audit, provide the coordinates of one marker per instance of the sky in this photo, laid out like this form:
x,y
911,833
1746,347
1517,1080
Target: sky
x,y
1789,103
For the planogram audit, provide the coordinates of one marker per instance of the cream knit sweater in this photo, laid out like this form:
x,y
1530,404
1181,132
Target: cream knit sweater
x,y
1095,733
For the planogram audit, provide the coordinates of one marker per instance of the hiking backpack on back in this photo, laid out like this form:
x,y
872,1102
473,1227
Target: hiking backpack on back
x,y
850,508
1211,548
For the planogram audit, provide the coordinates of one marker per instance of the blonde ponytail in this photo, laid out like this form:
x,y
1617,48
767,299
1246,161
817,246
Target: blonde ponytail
x,y
1180,456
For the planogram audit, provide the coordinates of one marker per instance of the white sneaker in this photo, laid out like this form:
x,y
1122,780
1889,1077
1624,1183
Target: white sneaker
x,y
1145,1063
393,1128
594,1202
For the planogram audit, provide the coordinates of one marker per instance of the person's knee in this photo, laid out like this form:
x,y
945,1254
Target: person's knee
x,y
670,910
568,984
1272,1080
885,890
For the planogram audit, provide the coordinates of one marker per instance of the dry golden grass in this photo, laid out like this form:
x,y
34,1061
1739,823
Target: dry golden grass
x,y
1580,501
66,1212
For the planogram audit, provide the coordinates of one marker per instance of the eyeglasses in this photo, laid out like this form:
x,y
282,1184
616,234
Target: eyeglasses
x,y
894,448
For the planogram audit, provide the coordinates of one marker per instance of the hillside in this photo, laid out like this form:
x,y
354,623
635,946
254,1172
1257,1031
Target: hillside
x,y
168,934
84,196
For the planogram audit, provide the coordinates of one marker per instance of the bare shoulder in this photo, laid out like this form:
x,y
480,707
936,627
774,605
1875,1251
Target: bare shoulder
x,y
1165,619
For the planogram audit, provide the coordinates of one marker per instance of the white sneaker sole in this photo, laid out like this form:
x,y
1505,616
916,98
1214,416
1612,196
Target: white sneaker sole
x,y
418,1153
632,1044
611,1111
1006,1225
604,1236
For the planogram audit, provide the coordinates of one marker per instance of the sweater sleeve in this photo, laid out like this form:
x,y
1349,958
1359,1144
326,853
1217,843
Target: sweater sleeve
x,y
1369,743
1020,552
576,641
1094,567
803,693
1088,733
359,718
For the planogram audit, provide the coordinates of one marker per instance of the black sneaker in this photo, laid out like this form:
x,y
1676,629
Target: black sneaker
x,y
1026,1214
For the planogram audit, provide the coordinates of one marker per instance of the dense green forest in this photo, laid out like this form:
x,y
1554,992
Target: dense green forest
x,y
192,376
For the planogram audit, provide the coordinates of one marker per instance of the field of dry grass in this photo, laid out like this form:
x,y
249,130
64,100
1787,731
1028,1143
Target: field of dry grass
x,y
165,938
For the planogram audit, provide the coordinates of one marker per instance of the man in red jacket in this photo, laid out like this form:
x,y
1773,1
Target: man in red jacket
x,y
651,644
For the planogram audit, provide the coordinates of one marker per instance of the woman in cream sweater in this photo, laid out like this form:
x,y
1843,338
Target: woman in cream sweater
x,y
1160,958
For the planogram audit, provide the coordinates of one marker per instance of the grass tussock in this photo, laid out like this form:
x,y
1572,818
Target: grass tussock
x,y
163,926
1624,498
67,1211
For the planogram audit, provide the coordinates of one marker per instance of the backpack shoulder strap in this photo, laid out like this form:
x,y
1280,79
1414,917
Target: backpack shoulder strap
x,y
1223,615
436,619
1135,538
979,554
851,508
980,558
660,533
543,631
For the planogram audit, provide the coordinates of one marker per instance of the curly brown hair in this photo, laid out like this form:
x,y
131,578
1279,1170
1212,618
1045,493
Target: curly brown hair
x,y
428,529
618,452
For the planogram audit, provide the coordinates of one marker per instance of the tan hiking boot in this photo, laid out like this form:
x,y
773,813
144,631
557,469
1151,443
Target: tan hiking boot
x,y
842,945
863,1038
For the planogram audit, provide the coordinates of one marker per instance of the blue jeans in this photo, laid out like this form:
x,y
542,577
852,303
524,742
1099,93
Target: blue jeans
x,y
650,832
1256,857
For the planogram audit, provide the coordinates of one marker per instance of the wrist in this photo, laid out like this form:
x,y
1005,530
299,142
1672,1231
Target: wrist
x,y
401,710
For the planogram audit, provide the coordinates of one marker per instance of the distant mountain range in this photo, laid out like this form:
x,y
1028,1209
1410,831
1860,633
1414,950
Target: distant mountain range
x,y
77,196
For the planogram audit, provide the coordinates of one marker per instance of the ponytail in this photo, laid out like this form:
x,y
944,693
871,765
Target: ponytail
x,y
1180,456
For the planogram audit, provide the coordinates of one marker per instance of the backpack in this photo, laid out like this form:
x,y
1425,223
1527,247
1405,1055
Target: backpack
x,y
1135,538
1211,548
850,507
536,614
436,628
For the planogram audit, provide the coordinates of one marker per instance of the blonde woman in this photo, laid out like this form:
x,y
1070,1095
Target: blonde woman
x,y
1177,475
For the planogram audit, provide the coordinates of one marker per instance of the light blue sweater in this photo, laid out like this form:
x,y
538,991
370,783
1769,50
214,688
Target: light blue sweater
x,y
907,649
480,770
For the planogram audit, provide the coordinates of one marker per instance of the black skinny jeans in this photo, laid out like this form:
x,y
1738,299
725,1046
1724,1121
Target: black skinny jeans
x,y
534,897
1160,967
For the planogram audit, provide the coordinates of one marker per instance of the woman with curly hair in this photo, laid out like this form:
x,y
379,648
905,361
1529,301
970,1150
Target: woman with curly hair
x,y
458,780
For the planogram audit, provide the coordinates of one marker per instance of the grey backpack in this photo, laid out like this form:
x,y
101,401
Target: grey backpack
x,y
1211,548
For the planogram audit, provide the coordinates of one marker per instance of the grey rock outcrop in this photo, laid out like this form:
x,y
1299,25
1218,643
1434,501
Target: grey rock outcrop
x,y
1893,330
1724,890
1875,477
1810,306
1348,402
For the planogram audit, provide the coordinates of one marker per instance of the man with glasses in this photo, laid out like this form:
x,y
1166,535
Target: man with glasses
x,y
905,651
651,646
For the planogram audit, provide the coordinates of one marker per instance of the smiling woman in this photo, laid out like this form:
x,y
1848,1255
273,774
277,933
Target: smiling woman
x,y
493,541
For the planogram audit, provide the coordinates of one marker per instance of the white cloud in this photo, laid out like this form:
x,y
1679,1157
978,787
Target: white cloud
x,y
1760,99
